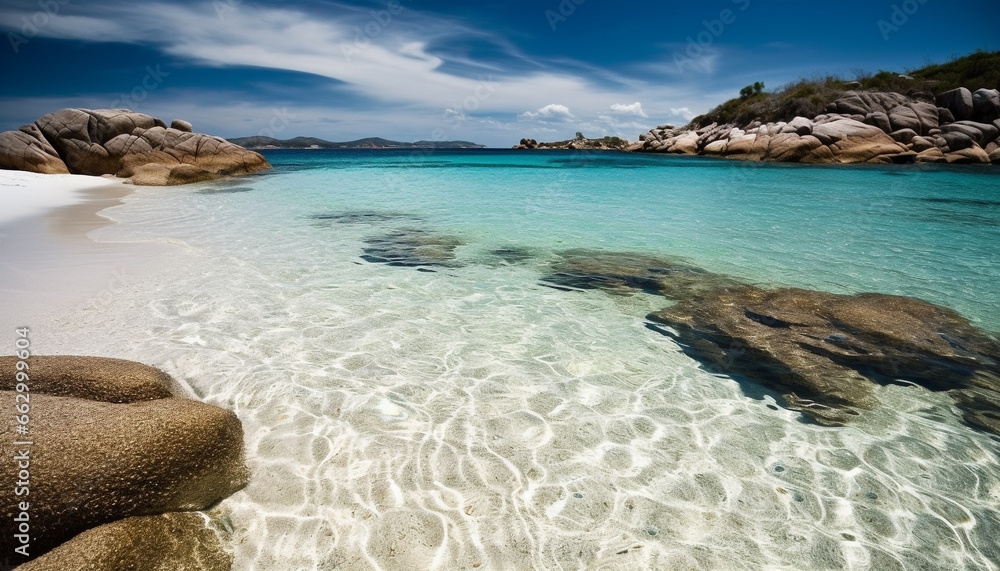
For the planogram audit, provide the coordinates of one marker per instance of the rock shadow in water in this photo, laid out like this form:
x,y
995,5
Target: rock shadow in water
x,y
362,217
510,256
411,247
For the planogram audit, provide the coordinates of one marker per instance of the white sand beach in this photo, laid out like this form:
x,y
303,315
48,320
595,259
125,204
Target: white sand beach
x,y
24,194
47,260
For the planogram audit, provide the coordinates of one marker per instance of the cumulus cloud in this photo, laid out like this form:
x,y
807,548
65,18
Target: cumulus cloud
x,y
682,112
552,111
633,109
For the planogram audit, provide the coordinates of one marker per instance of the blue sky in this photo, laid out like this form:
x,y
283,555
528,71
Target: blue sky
x,y
489,71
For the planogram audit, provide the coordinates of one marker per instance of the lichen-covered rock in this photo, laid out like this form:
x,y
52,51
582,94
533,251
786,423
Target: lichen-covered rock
x,y
123,143
172,541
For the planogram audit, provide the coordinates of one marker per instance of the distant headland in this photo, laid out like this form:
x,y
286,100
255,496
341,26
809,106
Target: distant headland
x,y
260,142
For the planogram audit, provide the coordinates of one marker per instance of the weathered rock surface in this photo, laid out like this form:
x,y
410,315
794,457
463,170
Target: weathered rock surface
x,y
110,442
986,105
124,144
958,101
174,541
98,462
181,125
93,378
861,127
28,150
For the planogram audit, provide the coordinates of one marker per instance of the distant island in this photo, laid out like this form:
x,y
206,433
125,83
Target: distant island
x,y
577,144
260,142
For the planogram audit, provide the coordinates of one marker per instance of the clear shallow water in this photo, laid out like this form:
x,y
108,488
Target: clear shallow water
x,y
406,419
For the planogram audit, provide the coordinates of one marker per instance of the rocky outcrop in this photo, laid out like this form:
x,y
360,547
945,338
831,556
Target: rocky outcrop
x,y
111,442
603,144
168,541
125,144
860,127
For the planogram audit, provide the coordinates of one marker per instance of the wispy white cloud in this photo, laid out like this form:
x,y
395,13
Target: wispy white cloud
x,y
682,112
552,111
633,109
393,68
389,63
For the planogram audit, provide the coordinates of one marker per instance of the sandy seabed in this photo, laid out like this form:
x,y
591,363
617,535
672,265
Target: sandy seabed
x,y
405,420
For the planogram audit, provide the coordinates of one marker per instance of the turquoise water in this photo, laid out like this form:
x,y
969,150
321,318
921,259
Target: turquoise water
x,y
928,232
461,415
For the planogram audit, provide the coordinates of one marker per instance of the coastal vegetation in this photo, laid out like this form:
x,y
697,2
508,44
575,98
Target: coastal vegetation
x,y
809,97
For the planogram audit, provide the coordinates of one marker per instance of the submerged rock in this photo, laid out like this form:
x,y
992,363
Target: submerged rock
x,y
826,350
513,254
362,217
125,144
624,273
411,248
